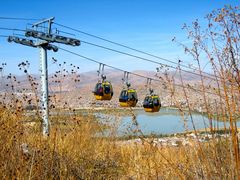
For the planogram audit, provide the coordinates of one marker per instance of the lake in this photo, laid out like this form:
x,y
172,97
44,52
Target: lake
x,y
166,121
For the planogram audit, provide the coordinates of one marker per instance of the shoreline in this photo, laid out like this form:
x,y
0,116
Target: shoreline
x,y
133,108
179,139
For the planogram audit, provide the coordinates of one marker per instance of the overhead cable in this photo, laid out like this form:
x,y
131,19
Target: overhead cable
x,y
144,59
112,67
206,75
21,19
125,46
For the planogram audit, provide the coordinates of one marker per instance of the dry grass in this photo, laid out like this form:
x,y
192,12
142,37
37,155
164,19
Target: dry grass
x,y
69,152
76,152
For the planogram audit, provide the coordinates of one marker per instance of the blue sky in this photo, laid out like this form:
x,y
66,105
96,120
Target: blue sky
x,y
147,25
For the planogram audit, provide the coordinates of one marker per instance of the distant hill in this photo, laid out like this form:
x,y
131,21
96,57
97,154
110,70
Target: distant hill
x,y
68,90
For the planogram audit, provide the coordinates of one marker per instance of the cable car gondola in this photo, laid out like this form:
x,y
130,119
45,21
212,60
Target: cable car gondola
x,y
152,102
128,98
103,90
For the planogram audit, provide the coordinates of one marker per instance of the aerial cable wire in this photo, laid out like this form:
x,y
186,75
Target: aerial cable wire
x,y
20,19
3,36
136,50
210,76
12,29
95,61
144,59
135,56
112,42
112,67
